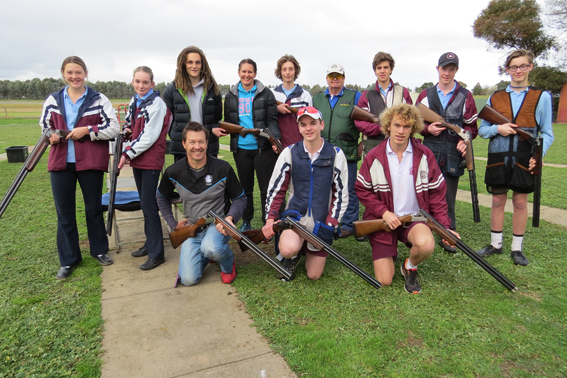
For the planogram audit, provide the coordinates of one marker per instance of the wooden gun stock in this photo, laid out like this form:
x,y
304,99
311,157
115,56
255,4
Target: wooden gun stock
x,y
430,116
489,114
178,236
232,128
293,110
359,114
256,236
369,226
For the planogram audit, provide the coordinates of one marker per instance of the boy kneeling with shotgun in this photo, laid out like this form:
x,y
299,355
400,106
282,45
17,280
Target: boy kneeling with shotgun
x,y
314,173
396,178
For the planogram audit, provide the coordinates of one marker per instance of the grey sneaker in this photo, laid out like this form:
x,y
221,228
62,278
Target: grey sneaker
x,y
411,285
519,258
489,250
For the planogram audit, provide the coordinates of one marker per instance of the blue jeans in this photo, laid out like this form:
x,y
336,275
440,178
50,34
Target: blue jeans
x,y
196,252
351,213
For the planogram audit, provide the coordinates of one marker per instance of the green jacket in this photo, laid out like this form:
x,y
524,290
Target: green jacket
x,y
340,129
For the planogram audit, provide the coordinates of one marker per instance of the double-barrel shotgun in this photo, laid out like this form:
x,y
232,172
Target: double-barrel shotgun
x,y
232,128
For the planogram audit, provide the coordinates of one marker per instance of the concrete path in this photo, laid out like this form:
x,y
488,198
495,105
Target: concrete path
x,y
152,329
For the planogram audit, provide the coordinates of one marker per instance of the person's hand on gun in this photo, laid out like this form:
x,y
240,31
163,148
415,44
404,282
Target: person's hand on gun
x,y
448,242
533,165
181,224
507,129
462,147
219,132
78,132
391,220
284,109
275,148
123,160
434,128
268,228
54,139
220,227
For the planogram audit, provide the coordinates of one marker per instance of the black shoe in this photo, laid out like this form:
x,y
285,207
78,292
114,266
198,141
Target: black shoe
x,y
519,258
104,259
411,285
151,264
361,238
489,250
140,252
291,266
345,233
64,272
447,247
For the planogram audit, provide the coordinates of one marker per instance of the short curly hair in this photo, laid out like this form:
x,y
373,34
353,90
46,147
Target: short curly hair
x,y
406,113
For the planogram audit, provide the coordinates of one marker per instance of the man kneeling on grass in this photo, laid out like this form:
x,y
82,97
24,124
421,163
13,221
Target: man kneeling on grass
x,y
204,183
314,173
400,177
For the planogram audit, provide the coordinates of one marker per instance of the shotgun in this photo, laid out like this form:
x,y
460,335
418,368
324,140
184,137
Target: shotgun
x,y
430,116
30,164
489,114
369,226
114,173
243,240
453,240
289,224
232,128
358,114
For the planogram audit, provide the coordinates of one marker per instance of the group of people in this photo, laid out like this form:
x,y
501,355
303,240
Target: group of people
x,y
314,179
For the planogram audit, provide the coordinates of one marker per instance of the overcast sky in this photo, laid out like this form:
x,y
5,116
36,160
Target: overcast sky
x,y
114,37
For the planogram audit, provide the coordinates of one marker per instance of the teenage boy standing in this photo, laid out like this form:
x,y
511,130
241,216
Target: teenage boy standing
x,y
456,105
384,96
510,158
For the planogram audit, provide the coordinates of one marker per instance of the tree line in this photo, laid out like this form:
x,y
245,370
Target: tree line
x,y
39,89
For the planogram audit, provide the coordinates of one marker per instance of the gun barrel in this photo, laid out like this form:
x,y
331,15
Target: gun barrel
x,y
238,236
316,241
444,233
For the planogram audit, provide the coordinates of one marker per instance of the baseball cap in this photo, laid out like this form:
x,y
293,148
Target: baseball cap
x,y
335,68
309,111
448,58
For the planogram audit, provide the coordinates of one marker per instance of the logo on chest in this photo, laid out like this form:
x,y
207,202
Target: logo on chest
x,y
209,180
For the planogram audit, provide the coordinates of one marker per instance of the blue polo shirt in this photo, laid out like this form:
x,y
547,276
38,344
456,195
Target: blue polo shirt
x,y
444,98
71,112
139,100
334,99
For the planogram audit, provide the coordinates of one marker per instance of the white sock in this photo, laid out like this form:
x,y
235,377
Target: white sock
x,y
496,239
409,265
517,241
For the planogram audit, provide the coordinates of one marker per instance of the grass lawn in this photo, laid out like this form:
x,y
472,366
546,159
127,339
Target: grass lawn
x,y
463,324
